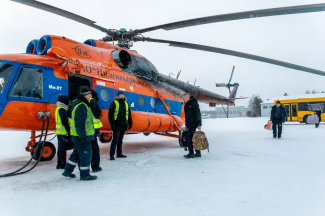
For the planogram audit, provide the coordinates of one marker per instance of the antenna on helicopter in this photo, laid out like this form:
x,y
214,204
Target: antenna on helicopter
x,y
229,84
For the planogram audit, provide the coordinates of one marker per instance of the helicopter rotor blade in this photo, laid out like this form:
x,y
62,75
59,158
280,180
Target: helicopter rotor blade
x,y
235,53
238,16
60,12
232,73
221,85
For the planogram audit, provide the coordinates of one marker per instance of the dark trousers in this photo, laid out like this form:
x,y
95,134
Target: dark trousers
x,y
81,153
277,124
62,157
117,141
95,160
190,134
317,124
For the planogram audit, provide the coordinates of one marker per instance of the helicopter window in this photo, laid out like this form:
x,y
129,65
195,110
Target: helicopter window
x,y
141,101
5,73
104,94
153,103
169,106
29,84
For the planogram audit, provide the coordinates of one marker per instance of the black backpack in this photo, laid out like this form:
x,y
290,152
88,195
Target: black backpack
x,y
183,138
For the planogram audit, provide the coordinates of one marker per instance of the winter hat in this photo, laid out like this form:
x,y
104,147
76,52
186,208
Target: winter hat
x,y
84,90
278,102
63,99
120,93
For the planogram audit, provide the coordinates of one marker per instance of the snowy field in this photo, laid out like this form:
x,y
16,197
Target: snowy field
x,y
246,173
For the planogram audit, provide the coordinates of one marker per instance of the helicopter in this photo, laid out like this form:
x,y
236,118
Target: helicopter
x,y
55,65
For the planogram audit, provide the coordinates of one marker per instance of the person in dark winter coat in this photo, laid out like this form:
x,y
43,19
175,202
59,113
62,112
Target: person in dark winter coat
x,y
318,112
278,116
193,121
82,133
62,131
120,118
95,160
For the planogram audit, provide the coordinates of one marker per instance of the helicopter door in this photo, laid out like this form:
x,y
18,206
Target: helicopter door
x,y
106,92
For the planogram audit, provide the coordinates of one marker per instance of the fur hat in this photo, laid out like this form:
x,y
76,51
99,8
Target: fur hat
x,y
84,90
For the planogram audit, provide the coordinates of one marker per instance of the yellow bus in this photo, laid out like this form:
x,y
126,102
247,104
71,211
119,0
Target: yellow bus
x,y
300,107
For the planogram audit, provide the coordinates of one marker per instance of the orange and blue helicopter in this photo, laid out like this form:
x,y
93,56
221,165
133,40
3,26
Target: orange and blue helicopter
x,y
30,83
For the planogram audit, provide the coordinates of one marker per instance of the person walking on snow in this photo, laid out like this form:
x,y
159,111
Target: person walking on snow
x,y
120,118
82,133
318,112
193,120
278,115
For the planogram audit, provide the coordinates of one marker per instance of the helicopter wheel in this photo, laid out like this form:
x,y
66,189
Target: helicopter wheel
x,y
105,137
48,152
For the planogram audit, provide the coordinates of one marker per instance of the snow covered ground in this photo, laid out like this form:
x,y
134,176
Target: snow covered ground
x,y
246,173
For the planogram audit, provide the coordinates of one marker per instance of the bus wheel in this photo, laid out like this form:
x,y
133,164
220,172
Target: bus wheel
x,y
305,119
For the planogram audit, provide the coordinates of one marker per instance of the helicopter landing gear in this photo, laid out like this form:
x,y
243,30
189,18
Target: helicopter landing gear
x,y
105,137
49,150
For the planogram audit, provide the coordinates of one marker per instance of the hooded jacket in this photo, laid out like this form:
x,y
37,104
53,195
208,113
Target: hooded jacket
x,y
192,113
120,123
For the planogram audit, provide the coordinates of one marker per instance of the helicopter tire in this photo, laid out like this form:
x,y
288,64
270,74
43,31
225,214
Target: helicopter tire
x,y
104,138
48,152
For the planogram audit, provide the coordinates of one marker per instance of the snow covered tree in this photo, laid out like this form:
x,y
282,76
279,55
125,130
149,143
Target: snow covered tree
x,y
254,106
285,94
307,92
315,92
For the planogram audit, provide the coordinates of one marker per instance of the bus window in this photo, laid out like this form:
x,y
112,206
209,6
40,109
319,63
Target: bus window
x,y
294,110
314,106
303,107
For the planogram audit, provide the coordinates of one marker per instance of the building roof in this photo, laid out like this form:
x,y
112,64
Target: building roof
x,y
292,97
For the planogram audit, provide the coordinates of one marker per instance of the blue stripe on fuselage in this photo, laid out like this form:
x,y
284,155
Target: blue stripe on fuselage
x,y
132,99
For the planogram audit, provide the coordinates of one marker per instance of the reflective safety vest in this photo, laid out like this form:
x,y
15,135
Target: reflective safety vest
x,y
97,123
60,129
117,109
89,125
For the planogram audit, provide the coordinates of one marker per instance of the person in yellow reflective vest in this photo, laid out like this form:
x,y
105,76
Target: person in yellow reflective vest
x,y
82,133
120,118
62,131
95,159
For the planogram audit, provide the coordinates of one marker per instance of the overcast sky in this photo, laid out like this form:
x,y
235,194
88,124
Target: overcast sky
x,y
297,39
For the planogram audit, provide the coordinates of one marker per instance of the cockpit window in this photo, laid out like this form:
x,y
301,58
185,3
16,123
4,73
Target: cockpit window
x,y
29,84
5,73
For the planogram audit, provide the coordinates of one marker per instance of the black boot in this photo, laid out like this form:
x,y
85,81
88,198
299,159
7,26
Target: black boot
x,y
274,136
279,136
197,155
121,156
59,161
88,178
98,169
68,174
63,159
112,158
189,156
